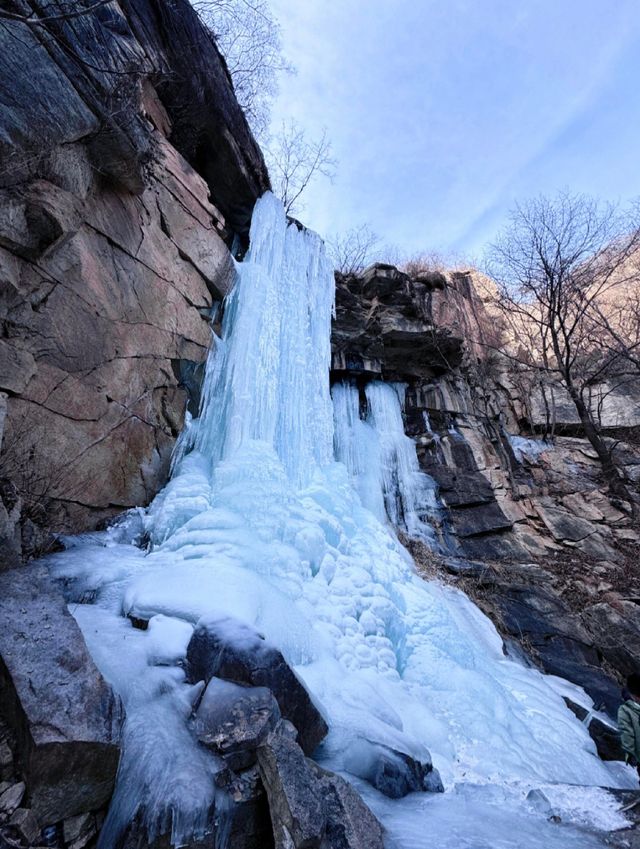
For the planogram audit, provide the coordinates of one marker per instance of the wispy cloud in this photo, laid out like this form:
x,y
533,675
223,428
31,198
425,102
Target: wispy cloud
x,y
441,113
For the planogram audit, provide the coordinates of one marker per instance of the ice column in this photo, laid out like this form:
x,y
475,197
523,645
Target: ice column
x,y
381,458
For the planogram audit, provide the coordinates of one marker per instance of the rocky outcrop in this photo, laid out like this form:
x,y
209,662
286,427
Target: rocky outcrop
x,y
114,149
62,719
226,648
270,793
551,554
100,78
386,326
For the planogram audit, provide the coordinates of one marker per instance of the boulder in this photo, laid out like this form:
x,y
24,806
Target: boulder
x,y
233,720
297,812
349,822
24,827
310,807
393,773
11,797
227,648
64,717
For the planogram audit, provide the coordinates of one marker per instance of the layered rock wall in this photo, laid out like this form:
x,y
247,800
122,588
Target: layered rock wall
x,y
112,253
553,557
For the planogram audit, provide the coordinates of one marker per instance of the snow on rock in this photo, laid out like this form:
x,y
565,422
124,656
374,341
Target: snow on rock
x,y
229,649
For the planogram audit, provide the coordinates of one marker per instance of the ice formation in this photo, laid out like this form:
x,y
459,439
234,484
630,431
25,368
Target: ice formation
x,y
523,446
259,521
381,459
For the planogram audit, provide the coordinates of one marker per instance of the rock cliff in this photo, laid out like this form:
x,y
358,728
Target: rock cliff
x,y
539,545
126,170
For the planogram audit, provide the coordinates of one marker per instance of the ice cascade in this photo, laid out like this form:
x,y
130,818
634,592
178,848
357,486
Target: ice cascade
x,y
381,459
260,522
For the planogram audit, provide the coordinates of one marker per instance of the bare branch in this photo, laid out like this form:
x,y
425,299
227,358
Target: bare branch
x,y
295,161
249,37
560,266
354,250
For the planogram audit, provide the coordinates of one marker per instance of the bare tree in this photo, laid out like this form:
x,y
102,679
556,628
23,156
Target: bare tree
x,y
354,250
556,264
433,262
249,37
616,320
295,161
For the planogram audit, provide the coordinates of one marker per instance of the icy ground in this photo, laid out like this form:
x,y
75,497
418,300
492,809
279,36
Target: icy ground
x,y
260,522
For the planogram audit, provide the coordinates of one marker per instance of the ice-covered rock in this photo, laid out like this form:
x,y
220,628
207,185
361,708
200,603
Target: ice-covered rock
x,y
391,772
233,720
227,648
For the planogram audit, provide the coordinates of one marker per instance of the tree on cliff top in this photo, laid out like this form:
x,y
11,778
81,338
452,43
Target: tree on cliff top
x,y
295,161
556,265
248,35
354,249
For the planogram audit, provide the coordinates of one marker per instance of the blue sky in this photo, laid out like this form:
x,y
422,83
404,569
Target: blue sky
x,y
442,113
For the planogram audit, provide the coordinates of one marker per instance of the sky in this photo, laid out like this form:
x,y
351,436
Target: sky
x,y
443,113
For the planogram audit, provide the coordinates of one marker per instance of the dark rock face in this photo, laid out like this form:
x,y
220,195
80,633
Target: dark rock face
x,y
520,596
606,737
385,326
226,648
64,718
296,808
393,773
617,630
92,73
111,253
310,807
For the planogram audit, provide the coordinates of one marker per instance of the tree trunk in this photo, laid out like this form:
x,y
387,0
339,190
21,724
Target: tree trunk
x,y
614,478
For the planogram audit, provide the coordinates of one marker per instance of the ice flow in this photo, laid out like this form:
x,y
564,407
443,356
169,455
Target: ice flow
x,y
261,522
381,459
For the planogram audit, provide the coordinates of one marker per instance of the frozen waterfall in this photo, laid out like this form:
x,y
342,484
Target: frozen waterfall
x,y
380,458
260,522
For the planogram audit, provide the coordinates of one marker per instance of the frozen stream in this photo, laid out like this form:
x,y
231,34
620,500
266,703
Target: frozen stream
x,y
260,522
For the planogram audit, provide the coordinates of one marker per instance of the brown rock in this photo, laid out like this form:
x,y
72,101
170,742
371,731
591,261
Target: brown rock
x,y
111,250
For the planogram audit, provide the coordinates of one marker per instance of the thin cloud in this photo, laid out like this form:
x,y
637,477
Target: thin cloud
x,y
437,115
